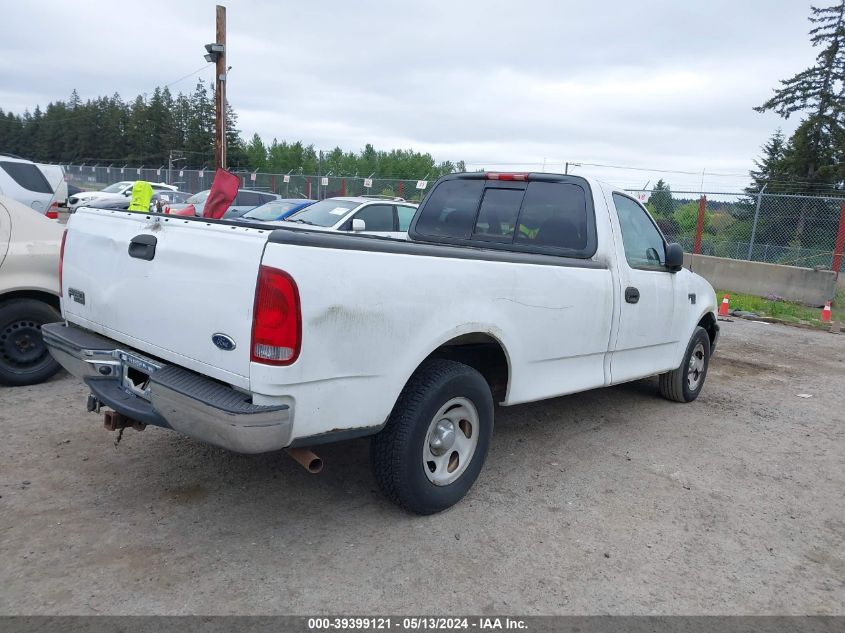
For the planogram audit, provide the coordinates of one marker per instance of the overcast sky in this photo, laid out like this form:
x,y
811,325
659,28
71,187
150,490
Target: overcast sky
x,y
649,84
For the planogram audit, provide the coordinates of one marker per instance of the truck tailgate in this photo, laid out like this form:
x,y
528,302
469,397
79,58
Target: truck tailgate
x,y
199,281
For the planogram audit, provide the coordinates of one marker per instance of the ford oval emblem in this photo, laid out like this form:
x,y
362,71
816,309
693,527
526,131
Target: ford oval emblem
x,y
223,341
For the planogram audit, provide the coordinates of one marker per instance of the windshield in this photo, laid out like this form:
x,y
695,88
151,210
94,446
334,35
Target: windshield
x,y
324,213
116,187
198,197
270,210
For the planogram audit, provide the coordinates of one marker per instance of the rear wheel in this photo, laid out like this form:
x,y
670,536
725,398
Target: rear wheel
x,y
24,359
434,444
685,383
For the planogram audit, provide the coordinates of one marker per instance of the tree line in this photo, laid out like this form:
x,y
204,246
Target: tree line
x,y
151,130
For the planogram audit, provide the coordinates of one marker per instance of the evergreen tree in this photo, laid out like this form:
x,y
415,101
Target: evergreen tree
x,y
770,167
813,157
256,154
199,142
660,203
817,91
109,130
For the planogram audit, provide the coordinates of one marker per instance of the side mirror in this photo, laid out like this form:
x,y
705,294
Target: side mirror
x,y
358,225
128,193
674,257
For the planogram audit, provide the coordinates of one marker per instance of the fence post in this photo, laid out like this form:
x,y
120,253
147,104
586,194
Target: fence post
x,y
308,186
840,242
754,224
273,183
343,187
401,192
699,227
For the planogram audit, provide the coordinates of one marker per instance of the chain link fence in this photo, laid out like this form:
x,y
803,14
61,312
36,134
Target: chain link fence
x,y
286,185
794,230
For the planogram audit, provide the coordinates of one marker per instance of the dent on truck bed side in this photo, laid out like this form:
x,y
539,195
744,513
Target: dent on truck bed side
x,y
374,309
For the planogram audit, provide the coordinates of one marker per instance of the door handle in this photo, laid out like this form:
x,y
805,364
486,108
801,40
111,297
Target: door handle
x,y
143,247
632,295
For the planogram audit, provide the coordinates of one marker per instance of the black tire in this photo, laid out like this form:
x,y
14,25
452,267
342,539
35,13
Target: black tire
x,y
24,359
675,385
396,453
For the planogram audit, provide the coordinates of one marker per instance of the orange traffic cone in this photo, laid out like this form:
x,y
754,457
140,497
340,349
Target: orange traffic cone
x,y
725,306
826,312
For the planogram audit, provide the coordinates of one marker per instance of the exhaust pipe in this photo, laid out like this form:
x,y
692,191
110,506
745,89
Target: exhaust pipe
x,y
307,459
114,421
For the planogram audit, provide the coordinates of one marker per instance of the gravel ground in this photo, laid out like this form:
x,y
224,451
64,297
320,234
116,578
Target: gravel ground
x,y
612,501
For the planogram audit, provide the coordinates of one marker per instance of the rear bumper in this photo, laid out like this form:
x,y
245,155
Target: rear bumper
x,y
173,397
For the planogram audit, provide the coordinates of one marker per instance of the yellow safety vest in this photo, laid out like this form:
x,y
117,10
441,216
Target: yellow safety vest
x,y
142,193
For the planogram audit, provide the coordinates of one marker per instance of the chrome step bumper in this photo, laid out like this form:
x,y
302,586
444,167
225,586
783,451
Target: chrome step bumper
x,y
169,396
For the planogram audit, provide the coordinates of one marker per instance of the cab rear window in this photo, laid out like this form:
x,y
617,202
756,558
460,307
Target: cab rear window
x,y
537,216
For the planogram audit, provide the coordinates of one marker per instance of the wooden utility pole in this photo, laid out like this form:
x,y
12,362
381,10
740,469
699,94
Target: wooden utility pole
x,y
220,92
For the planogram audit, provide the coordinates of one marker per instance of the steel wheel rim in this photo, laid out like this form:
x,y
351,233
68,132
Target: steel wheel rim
x,y
450,441
695,369
21,345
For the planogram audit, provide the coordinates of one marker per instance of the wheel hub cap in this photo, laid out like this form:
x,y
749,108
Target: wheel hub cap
x,y
443,437
450,441
695,369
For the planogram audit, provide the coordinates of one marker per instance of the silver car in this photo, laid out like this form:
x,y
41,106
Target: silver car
x,y
389,217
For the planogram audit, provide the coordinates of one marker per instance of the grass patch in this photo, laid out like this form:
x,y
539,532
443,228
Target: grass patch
x,y
788,311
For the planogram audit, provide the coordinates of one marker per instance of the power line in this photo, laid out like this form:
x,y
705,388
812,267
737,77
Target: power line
x,y
190,74
73,116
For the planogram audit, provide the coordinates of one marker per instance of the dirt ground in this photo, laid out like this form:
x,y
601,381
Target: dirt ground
x,y
612,501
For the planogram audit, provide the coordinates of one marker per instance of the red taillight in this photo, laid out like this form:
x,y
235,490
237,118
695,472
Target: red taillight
x,y
61,262
497,176
52,214
276,319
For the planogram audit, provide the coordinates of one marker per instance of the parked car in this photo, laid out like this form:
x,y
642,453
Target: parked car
x,y
245,200
29,292
113,193
26,182
389,217
277,209
159,201
511,288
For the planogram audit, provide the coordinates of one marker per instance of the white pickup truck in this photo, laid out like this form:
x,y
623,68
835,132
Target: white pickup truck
x,y
511,288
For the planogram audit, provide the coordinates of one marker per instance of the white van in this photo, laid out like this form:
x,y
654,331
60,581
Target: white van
x,y
22,180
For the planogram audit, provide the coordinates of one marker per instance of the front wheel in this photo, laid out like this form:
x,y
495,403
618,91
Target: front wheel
x,y
434,444
685,383
24,359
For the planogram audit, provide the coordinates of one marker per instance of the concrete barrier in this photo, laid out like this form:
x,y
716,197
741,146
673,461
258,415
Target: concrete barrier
x,y
806,285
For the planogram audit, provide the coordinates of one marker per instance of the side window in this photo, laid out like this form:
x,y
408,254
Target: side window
x,y
27,176
247,199
553,214
406,214
378,217
265,197
450,211
644,246
497,215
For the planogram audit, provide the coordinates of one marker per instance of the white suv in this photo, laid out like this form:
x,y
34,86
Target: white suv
x,y
116,192
22,180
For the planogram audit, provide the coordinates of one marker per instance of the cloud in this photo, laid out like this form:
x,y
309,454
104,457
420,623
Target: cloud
x,y
642,84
